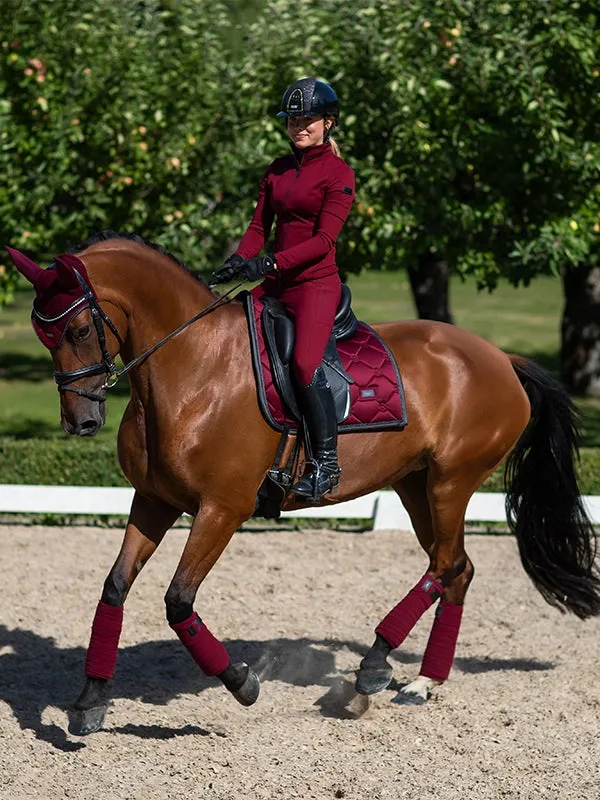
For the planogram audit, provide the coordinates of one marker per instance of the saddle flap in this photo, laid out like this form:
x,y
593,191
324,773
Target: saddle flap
x,y
279,335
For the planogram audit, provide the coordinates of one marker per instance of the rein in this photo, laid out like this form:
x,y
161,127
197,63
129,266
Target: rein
x,y
107,366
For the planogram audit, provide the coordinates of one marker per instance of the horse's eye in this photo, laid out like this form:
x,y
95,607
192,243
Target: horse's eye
x,y
80,334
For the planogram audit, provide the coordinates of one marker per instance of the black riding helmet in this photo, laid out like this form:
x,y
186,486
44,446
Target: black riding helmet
x,y
309,96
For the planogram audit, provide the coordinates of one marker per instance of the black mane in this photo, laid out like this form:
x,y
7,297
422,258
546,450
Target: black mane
x,y
107,235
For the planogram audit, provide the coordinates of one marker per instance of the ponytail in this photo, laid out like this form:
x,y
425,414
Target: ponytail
x,y
334,147
334,144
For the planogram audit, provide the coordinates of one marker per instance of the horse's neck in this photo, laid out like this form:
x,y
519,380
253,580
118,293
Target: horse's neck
x,y
156,296
160,302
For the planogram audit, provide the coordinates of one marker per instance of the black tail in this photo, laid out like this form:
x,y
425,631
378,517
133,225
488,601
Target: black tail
x,y
556,538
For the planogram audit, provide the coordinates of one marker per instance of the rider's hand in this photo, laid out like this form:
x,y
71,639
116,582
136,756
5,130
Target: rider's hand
x,y
230,269
255,268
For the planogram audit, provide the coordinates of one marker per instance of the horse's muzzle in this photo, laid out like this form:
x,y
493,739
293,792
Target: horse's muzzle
x,y
86,424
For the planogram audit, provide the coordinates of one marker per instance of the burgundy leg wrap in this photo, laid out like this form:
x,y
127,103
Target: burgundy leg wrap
x,y
439,653
104,641
207,652
396,626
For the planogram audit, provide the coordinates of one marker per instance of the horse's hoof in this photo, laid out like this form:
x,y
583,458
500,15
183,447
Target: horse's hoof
x,y
248,692
417,692
86,720
371,681
409,699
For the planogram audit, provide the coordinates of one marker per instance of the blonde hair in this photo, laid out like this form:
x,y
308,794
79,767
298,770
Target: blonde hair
x,y
334,145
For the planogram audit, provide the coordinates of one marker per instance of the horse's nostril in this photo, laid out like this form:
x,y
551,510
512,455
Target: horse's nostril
x,y
88,428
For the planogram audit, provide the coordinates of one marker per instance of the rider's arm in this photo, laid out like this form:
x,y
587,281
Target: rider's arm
x,y
254,239
336,207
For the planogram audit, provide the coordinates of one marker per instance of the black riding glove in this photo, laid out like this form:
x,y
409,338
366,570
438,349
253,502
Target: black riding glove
x,y
255,268
230,269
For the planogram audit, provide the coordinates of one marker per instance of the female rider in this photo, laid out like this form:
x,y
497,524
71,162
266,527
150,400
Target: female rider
x,y
310,192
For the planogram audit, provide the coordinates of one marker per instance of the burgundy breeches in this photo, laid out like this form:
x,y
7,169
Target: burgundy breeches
x,y
313,305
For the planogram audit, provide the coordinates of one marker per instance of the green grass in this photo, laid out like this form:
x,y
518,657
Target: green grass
x,y
525,321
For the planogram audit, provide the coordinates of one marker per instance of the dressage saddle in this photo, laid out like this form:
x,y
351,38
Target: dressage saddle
x,y
279,333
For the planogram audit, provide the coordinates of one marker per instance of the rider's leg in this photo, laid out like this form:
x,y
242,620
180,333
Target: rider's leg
x,y
318,409
313,305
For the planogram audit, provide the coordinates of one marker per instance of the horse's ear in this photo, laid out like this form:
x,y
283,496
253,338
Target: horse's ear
x,y
65,272
25,265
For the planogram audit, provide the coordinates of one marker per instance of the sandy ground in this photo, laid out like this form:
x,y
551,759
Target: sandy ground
x,y
519,717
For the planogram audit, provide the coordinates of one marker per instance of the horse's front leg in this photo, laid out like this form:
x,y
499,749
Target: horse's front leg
x,y
212,529
148,522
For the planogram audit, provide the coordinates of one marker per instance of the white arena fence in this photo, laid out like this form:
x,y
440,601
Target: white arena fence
x,y
384,508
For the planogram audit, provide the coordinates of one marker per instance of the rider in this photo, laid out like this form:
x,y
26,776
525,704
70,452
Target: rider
x,y
310,192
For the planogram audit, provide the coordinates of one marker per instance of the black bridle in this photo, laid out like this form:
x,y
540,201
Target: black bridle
x,y
107,366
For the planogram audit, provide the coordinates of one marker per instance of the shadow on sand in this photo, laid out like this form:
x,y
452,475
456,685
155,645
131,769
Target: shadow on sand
x,y
36,675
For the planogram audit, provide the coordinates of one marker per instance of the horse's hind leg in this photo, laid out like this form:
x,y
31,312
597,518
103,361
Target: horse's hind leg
x,y
439,653
440,532
148,522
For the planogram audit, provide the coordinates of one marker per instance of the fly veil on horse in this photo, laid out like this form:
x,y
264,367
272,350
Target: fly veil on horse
x,y
193,440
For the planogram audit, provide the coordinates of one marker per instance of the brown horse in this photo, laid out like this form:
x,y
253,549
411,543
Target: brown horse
x,y
193,440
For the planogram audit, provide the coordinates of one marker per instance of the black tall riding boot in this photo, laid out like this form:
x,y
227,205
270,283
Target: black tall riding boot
x,y
318,409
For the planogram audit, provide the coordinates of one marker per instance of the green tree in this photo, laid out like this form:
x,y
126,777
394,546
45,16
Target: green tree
x,y
112,115
473,129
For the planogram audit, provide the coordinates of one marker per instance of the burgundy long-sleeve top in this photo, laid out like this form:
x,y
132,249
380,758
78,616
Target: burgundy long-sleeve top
x,y
310,193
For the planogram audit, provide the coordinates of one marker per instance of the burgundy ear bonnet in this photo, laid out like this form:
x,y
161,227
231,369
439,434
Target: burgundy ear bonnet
x,y
59,295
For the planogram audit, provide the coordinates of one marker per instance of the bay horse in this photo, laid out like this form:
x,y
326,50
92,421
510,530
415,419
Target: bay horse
x,y
193,439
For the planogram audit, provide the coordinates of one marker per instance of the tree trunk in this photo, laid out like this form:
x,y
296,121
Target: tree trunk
x,y
580,350
429,284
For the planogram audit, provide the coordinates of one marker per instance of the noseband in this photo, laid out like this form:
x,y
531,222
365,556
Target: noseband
x,y
107,366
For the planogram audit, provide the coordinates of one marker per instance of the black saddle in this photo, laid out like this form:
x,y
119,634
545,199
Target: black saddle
x,y
279,333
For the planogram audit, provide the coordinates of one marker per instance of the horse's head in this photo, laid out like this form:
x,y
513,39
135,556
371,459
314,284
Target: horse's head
x,y
69,321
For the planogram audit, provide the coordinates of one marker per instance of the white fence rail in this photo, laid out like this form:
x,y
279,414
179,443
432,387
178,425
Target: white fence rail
x,y
384,508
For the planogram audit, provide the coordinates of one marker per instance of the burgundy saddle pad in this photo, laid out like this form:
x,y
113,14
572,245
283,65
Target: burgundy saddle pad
x,y
376,396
